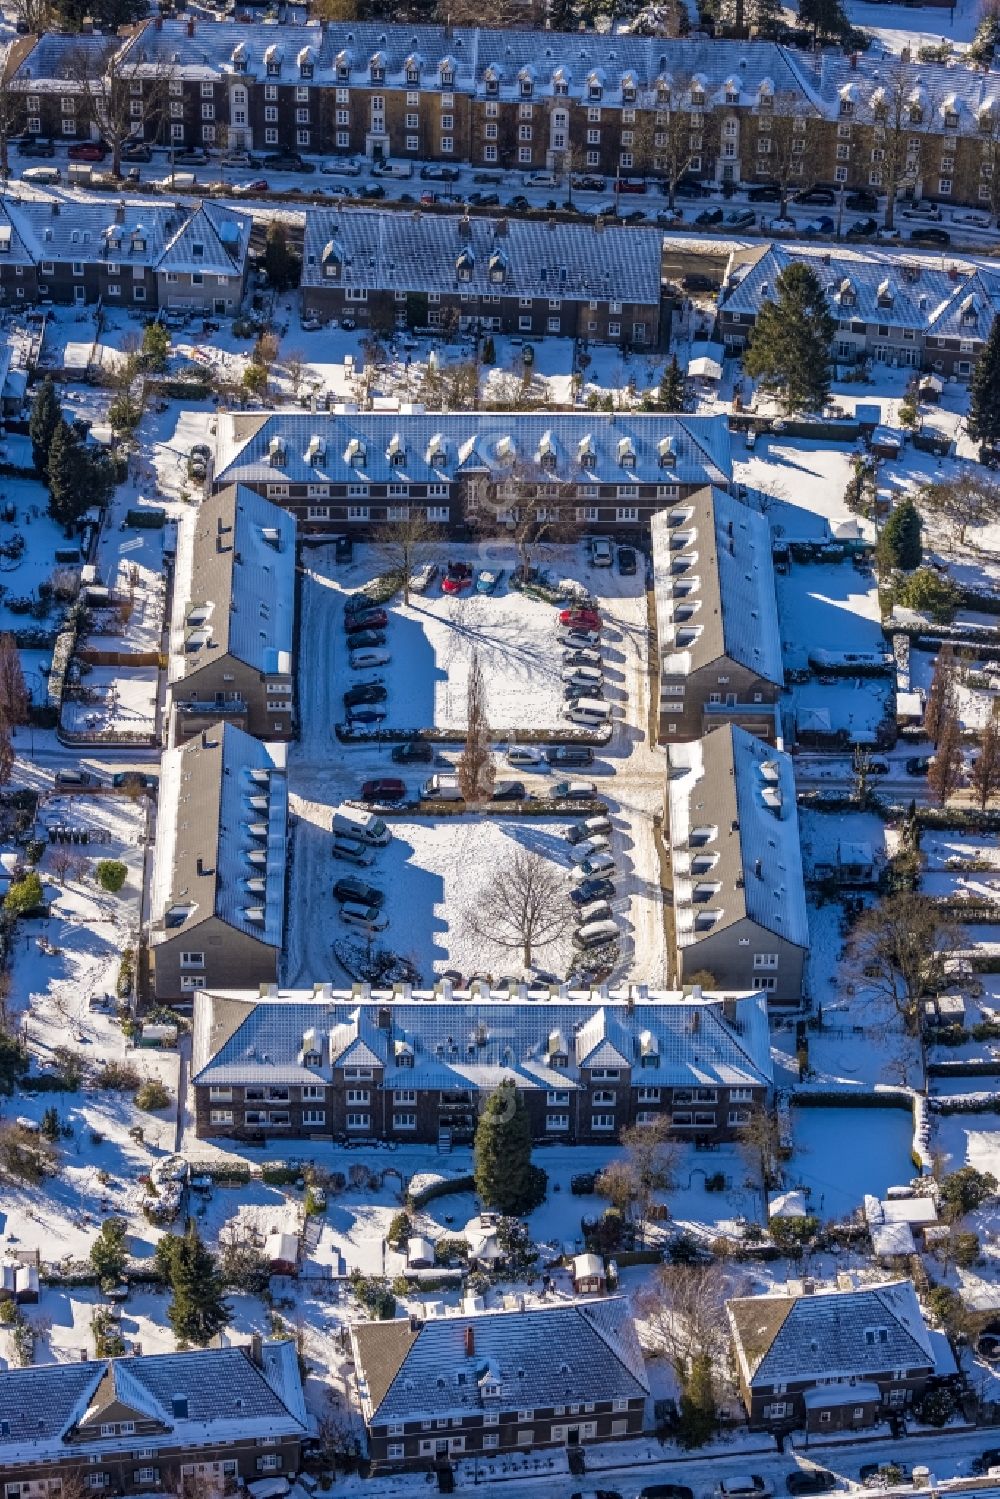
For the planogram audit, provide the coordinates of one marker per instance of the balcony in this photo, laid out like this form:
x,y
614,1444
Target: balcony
x,y
212,707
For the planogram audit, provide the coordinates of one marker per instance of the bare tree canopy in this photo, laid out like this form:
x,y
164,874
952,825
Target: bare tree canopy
x,y
524,906
899,949
969,498
476,770
407,542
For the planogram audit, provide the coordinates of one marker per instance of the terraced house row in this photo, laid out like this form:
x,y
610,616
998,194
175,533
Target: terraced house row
x,y
727,111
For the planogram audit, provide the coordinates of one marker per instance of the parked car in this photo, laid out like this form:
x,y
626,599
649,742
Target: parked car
x,y
862,201
580,618
489,582
698,281
365,639
627,562
741,218
581,658
363,717
365,693
587,677
422,578
595,933
592,889
823,225
573,791
335,167
598,910
579,640
745,1486
413,752
598,864
367,619
601,554
918,765
889,236
690,187
527,757
665,1491
764,192
372,918
822,197
590,827
708,218
34,146
457,578
589,182
599,844
365,660
509,791
194,156
928,235
349,887
863,229
384,789
87,151
811,1481
436,172
239,159
136,151
261,185
351,850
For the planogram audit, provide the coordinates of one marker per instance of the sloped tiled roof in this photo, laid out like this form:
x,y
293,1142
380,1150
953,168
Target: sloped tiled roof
x,y
573,1353
830,1335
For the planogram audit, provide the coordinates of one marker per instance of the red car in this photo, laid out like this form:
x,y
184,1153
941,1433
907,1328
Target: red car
x,y
384,789
457,578
88,151
365,619
580,619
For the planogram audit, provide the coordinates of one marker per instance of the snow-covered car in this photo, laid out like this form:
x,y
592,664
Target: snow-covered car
x,y
334,167
527,757
255,185
596,845
363,660
488,582
311,324
598,864
351,850
573,791
579,640
372,918
583,657
422,577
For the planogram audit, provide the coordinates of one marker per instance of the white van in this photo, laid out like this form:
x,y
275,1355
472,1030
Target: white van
x,y
589,711
357,823
46,175
396,169
441,789
527,757
595,933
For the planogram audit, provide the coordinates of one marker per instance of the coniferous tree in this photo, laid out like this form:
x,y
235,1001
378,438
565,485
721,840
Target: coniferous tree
x,y
940,704
697,1414
505,1177
899,544
984,392
65,471
198,1310
46,414
789,348
670,396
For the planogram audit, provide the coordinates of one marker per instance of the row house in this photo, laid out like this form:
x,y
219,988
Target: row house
x,y
233,631
495,1382
352,471
417,1065
393,270
149,257
540,100
736,865
219,1417
717,634
217,899
830,1361
904,310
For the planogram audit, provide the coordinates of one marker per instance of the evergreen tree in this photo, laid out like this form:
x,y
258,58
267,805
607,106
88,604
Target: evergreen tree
x,y
826,17
505,1177
489,354
50,1123
282,265
46,414
983,422
107,1253
67,476
697,1415
155,346
789,348
670,396
899,544
197,1311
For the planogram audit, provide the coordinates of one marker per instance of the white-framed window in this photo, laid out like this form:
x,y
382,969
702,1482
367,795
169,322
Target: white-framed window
x,y
602,1121
357,512
359,1121
739,1118
649,1095
313,1116
438,513
524,155
192,981
404,1121
220,1116
765,960
556,1122
358,1095
627,513
271,136
447,144
192,960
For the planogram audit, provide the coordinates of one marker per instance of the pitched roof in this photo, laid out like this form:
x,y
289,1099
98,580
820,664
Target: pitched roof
x,y
737,795
209,237
221,840
428,252
241,596
576,1352
466,1042
728,607
437,447
829,1335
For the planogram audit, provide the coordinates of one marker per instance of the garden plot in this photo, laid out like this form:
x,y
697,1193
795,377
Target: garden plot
x,y
827,607
842,1154
858,708
114,703
975,705
958,850
815,473
829,839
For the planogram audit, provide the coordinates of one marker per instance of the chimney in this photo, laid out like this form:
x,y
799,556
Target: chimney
x,y
500,229
190,29
758,868
552,222
470,1342
55,209
119,213
729,1010
854,60
257,1350
465,227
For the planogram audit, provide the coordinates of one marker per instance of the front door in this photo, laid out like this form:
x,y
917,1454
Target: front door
x,y
572,1436
441,1447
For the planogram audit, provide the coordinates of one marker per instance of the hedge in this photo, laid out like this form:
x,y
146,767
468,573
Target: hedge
x,y
451,1186
580,807
638,1257
843,1100
597,738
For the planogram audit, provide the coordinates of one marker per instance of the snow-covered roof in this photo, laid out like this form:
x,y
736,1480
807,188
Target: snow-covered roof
x,y
462,1365
719,551
386,251
739,794
830,1334
438,447
241,594
221,837
464,1041
206,1395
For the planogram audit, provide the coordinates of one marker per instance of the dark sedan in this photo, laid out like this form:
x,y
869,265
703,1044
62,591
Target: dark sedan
x,y
811,1481
596,888
384,789
413,752
369,619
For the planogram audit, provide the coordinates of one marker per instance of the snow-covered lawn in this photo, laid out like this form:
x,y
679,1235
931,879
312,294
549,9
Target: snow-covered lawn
x,y
120,701
842,1154
827,607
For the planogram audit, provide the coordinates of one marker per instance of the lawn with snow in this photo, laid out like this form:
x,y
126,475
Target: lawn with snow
x,y
825,835
842,1154
116,701
829,608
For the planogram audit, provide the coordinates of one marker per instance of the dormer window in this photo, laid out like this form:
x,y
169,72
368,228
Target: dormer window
x,y
498,267
413,75
628,93
492,84
312,1059
666,452
560,87
951,119
274,69
356,455
396,452
846,108
588,460
376,68
594,90
548,462
916,114
697,98
447,75
526,83
559,1059
765,102
876,1336
306,68
197,251
662,92
732,95
986,119
343,66
626,453
465,265
276,452
238,58
884,294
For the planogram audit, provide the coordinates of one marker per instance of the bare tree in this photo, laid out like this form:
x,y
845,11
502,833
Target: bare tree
x,y
119,96
899,949
517,502
970,498
680,135
523,906
14,696
785,145
407,542
985,775
12,115
36,14
61,862
940,704
650,1155
685,1313
476,770
945,774
989,161
760,1142
901,112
